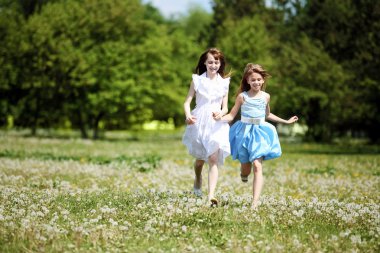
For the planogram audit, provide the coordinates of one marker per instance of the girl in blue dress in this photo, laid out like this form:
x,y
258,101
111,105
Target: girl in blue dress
x,y
252,139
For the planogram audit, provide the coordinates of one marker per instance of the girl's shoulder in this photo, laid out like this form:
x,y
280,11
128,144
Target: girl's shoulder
x,y
265,95
241,96
224,80
196,76
197,80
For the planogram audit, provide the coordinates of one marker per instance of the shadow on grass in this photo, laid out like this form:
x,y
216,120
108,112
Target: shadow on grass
x,y
331,149
111,136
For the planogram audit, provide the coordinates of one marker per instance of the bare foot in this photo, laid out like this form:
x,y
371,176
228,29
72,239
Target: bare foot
x,y
255,205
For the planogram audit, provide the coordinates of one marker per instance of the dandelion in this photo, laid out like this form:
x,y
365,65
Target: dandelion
x,y
345,233
356,239
296,243
113,223
25,223
94,220
123,228
78,229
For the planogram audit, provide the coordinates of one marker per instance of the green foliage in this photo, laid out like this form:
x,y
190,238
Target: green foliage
x,y
225,11
247,41
96,61
310,84
116,64
195,25
336,24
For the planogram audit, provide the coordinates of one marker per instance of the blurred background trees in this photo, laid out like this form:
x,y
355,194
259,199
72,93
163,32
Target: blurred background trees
x,y
115,64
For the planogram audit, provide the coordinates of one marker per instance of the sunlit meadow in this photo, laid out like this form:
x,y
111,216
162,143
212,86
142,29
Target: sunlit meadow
x,y
132,193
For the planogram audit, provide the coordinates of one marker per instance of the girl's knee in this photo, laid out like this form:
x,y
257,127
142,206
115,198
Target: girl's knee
x,y
199,164
213,159
257,166
246,167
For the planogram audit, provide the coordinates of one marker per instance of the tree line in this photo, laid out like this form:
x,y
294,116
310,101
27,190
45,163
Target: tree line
x,y
115,64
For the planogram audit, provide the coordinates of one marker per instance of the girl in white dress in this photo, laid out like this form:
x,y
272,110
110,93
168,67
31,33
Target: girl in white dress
x,y
206,137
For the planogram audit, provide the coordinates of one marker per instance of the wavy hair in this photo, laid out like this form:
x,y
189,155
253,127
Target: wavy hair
x,y
249,69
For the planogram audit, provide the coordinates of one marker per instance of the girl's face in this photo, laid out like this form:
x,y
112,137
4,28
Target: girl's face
x,y
256,81
212,64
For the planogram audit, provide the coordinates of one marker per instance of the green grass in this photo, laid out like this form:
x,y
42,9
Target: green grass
x,y
131,192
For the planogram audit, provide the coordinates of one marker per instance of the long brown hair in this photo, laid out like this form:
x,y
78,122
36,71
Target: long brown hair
x,y
249,69
218,55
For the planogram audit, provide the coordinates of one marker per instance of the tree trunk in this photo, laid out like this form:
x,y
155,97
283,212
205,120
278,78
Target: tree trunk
x,y
82,126
97,119
35,117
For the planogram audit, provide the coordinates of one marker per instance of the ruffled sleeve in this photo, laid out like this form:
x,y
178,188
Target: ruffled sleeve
x,y
196,81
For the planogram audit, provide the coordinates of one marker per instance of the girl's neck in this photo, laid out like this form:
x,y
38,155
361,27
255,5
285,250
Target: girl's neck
x,y
211,76
252,93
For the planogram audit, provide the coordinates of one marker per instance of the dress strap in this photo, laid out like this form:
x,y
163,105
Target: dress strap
x,y
245,95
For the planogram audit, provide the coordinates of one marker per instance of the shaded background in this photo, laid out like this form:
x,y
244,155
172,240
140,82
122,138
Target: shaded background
x,y
98,65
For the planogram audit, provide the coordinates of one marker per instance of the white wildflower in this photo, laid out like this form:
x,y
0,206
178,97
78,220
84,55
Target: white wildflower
x,y
355,239
113,222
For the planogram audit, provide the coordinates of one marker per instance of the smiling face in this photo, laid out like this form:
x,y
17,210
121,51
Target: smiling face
x,y
212,65
256,81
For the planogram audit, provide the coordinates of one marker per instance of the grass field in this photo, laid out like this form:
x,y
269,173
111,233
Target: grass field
x,y
132,193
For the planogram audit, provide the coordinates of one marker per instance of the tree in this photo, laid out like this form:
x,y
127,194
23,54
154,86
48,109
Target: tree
x,y
309,83
348,32
111,63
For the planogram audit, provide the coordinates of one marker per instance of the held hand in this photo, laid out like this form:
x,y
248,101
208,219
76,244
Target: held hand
x,y
191,120
292,120
216,115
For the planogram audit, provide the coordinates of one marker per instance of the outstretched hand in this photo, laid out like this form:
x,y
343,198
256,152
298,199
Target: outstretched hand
x,y
292,120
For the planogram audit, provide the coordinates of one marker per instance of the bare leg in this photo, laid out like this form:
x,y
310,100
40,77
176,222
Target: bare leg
x,y
198,165
258,181
245,170
213,174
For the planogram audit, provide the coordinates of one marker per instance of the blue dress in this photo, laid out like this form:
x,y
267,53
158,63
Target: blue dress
x,y
252,137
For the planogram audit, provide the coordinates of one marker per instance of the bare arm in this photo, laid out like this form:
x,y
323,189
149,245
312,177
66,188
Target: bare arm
x,y
238,102
190,119
225,105
219,114
272,117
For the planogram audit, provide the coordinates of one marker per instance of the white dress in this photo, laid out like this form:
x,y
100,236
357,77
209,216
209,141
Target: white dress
x,y
207,136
